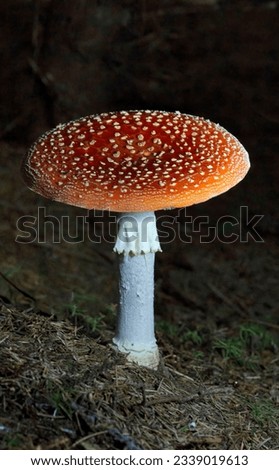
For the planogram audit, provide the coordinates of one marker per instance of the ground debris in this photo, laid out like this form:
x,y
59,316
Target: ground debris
x,y
61,389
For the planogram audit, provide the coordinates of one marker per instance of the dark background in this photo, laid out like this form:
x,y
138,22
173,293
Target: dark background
x,y
65,59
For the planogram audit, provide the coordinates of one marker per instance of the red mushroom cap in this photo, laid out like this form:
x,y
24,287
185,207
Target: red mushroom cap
x,y
134,161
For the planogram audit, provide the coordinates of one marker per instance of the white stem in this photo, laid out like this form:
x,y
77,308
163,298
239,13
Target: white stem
x,y
136,244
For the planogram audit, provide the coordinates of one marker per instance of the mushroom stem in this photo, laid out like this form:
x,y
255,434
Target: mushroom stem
x,y
137,242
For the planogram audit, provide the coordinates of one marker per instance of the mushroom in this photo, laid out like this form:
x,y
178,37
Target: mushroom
x,y
134,163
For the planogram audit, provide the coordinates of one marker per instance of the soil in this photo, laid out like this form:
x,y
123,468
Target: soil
x,y
62,385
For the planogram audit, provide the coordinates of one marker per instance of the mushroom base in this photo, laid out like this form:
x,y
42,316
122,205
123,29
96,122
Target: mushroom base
x,y
147,358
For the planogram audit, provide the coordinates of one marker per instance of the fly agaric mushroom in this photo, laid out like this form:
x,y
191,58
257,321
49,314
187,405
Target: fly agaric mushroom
x,y
135,162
